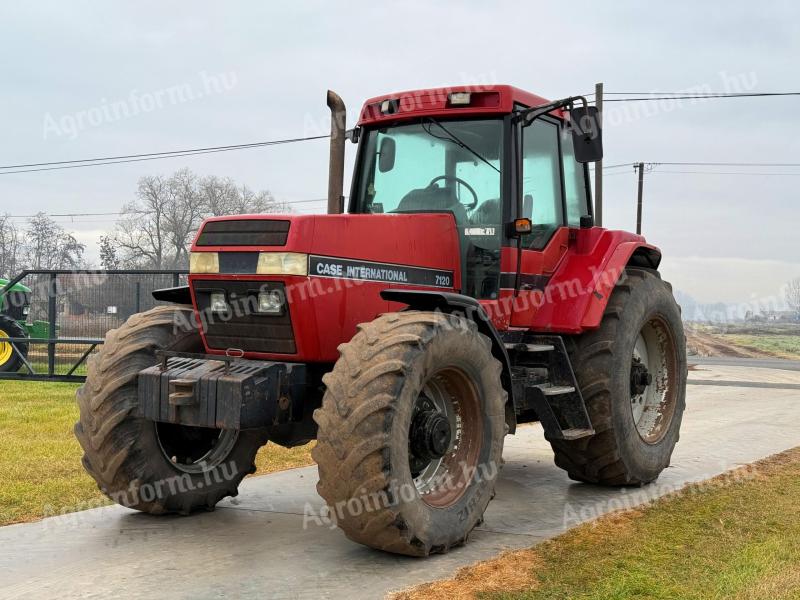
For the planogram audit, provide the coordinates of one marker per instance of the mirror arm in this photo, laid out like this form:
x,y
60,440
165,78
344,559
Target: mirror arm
x,y
529,115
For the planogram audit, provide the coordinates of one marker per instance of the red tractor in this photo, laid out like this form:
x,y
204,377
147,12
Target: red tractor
x,y
465,291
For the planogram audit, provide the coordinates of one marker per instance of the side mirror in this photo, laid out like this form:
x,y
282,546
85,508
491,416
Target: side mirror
x,y
386,155
587,136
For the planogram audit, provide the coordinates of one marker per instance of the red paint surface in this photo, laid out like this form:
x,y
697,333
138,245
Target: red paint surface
x,y
326,310
433,102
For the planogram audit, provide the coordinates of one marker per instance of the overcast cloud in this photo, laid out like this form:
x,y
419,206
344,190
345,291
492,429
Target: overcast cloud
x,y
94,79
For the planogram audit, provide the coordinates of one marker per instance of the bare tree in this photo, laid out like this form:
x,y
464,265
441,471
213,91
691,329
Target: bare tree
x,y
793,295
48,246
159,225
10,247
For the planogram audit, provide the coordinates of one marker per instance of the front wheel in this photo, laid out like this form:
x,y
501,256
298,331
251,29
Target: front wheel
x,y
10,359
632,372
154,467
411,432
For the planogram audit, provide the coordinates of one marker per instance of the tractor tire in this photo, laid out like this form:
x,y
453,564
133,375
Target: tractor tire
x,y
10,361
412,391
636,416
154,467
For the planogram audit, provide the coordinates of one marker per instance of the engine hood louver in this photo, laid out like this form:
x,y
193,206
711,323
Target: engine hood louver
x,y
244,232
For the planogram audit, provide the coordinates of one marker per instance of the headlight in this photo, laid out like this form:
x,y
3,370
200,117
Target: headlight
x,y
218,302
282,263
203,262
270,303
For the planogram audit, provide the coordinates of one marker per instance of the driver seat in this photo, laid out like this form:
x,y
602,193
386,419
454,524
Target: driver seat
x,y
434,199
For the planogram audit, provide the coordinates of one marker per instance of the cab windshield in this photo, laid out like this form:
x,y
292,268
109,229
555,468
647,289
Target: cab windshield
x,y
441,166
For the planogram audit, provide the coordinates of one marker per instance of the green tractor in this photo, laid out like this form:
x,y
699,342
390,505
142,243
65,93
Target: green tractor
x,y
15,305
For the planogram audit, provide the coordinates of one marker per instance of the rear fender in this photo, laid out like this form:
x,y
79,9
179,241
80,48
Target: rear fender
x,y
627,254
450,303
577,294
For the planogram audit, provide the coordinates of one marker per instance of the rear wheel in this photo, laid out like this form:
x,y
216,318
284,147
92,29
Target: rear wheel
x,y
149,466
632,373
411,432
10,360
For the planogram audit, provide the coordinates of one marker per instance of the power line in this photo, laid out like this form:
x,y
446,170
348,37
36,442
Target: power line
x,y
689,92
121,213
702,96
704,164
725,164
728,173
130,158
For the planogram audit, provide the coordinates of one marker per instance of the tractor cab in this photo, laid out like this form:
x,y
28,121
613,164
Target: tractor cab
x,y
500,160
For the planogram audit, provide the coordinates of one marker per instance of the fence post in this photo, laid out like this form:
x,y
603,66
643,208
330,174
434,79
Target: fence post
x,y
51,318
176,279
138,297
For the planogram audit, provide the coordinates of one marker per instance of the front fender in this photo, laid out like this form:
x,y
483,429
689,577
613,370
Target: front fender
x,y
471,309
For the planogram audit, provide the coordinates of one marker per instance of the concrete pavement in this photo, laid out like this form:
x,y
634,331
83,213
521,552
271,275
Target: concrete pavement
x,y
262,544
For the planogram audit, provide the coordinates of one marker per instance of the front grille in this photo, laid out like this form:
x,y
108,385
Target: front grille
x,y
14,305
241,327
244,232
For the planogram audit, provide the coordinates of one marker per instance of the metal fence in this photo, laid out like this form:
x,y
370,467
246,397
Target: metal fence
x,y
71,312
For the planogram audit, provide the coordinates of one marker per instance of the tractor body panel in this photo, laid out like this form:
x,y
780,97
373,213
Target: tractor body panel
x,y
351,259
435,102
15,301
571,281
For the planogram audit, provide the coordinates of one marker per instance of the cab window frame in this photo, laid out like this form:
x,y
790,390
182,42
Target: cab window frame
x,y
557,124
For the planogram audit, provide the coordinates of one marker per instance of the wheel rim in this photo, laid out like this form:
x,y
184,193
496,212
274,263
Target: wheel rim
x,y
195,449
6,351
450,397
653,393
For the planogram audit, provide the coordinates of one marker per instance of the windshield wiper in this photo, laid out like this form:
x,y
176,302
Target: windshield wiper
x,y
452,137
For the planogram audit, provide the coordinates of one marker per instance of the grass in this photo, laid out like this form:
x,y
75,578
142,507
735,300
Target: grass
x,y
737,536
784,346
40,459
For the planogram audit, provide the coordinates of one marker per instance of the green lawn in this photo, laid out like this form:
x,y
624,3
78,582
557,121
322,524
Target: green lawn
x,y
736,537
40,459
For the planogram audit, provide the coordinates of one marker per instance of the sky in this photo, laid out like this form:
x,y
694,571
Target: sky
x,y
87,79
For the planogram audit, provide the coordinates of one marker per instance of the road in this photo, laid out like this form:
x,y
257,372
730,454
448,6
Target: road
x,y
764,363
263,543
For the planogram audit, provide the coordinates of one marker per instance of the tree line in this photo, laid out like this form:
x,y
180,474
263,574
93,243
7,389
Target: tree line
x,y
154,231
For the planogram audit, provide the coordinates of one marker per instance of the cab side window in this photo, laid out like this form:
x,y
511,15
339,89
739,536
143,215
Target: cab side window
x,y
541,182
574,184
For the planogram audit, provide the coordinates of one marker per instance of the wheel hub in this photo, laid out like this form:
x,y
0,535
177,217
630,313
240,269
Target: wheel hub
x,y
640,377
429,437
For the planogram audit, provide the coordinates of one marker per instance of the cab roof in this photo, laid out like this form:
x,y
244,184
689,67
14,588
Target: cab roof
x,y
435,102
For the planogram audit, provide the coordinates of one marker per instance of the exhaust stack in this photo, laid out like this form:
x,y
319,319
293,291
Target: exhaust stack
x,y
336,161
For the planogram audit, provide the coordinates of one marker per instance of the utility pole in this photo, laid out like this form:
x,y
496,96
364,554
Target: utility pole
x,y
598,166
639,167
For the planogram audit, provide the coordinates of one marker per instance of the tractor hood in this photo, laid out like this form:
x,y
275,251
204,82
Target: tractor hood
x,y
329,270
395,249
17,287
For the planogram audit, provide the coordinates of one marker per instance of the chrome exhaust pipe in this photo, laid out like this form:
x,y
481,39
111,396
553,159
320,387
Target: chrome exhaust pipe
x,y
336,161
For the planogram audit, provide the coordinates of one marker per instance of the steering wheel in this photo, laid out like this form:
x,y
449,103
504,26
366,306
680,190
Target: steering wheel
x,y
462,182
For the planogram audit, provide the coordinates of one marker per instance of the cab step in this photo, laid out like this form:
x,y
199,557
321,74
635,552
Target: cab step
x,y
547,388
556,390
576,434
529,347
